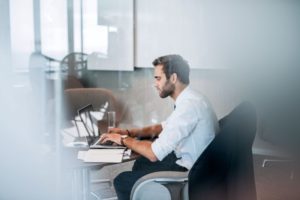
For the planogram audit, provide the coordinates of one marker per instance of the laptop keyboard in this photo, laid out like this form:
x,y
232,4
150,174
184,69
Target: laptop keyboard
x,y
96,141
107,143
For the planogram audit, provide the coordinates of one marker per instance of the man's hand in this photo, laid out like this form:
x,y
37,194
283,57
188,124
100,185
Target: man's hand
x,y
118,131
113,137
142,147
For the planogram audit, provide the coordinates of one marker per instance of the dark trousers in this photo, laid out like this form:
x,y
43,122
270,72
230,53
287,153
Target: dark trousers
x,y
124,182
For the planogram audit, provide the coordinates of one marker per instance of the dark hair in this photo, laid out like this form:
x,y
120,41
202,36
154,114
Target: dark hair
x,y
174,64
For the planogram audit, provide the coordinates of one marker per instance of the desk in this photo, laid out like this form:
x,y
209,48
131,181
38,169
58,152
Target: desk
x,y
81,171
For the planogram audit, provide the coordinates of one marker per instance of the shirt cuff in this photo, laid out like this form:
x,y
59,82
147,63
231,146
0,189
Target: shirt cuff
x,y
157,150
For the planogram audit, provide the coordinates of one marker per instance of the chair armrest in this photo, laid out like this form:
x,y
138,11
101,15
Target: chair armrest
x,y
162,177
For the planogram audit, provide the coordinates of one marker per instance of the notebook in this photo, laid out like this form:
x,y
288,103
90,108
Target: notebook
x,y
91,128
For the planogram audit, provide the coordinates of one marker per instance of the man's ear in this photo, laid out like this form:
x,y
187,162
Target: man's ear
x,y
173,78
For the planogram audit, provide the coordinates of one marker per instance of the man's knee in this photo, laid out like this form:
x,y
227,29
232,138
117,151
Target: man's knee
x,y
120,180
125,180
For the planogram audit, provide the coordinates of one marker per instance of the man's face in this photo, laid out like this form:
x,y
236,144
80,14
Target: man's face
x,y
164,86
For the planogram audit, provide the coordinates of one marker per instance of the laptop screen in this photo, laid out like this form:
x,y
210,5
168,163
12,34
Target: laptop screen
x,y
85,116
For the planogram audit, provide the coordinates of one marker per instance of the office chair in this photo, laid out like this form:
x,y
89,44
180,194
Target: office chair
x,y
270,146
277,140
72,82
74,64
223,171
42,72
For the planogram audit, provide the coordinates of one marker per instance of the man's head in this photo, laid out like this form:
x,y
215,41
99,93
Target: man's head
x,y
170,72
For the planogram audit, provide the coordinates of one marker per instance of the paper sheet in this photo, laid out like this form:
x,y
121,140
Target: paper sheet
x,y
97,115
101,155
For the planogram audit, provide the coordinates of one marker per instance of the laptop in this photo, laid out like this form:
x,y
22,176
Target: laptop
x,y
92,133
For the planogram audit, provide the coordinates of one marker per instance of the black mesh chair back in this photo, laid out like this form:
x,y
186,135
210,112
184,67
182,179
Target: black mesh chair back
x,y
225,169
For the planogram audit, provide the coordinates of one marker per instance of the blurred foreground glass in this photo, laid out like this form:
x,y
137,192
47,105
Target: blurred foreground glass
x,y
111,119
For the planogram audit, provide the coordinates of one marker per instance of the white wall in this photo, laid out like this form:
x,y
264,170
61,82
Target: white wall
x,y
219,34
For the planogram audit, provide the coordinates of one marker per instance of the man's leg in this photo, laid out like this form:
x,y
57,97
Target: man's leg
x,y
124,182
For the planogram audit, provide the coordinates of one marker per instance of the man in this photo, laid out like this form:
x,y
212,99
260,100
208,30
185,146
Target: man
x,y
181,138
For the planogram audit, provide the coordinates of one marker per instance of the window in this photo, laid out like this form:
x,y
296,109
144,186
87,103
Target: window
x,y
92,37
108,34
54,28
22,36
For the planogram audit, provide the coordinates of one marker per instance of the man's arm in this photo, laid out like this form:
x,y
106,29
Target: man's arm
x,y
141,147
145,132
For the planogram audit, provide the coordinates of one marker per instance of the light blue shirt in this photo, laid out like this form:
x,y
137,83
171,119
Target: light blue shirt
x,y
188,130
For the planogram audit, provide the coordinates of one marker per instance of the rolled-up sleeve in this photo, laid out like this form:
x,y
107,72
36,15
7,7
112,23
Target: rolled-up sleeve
x,y
178,126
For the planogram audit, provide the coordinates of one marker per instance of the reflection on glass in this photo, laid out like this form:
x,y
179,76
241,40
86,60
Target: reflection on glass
x,y
22,41
54,27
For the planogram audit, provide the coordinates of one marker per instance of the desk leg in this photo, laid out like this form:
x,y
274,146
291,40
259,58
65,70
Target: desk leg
x,y
86,183
81,184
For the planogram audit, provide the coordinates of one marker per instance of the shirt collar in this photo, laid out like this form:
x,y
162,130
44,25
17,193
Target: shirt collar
x,y
183,93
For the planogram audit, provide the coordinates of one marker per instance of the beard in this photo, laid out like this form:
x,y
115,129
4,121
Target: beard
x,y
167,90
